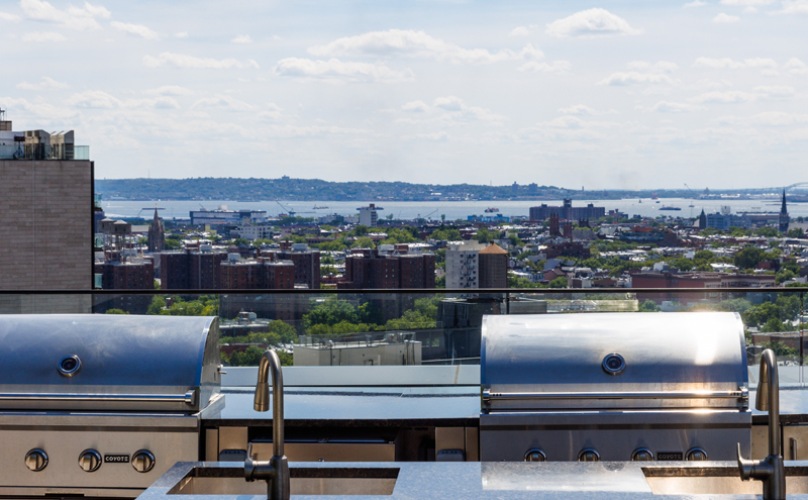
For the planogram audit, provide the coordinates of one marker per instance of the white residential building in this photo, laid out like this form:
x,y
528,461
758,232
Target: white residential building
x,y
462,264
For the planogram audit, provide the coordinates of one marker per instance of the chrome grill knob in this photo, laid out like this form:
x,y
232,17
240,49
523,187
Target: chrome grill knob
x,y
143,461
696,455
36,459
642,455
89,460
588,455
535,455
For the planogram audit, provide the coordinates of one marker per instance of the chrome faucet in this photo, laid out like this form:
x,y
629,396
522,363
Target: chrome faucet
x,y
770,470
276,470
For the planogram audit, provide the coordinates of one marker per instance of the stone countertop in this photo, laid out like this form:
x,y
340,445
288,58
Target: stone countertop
x,y
475,480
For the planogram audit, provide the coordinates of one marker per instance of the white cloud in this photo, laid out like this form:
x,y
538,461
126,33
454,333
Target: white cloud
x,y
5,16
727,63
415,107
46,83
416,44
546,67
779,119
135,29
458,109
625,78
78,18
241,39
747,3
93,10
162,102
520,31
590,23
775,91
94,99
43,37
222,102
578,109
185,61
725,97
694,3
673,107
723,18
659,66
336,70
273,112
795,67
181,35
170,90
450,109
794,7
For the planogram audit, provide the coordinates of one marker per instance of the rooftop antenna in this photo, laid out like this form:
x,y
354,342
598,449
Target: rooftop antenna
x,y
2,114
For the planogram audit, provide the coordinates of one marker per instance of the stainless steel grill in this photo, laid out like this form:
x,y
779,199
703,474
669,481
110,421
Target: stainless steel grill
x,y
102,405
613,386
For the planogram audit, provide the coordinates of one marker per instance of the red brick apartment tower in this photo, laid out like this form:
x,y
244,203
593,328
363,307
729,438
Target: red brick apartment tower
x,y
493,262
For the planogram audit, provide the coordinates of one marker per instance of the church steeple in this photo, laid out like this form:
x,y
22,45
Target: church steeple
x,y
784,219
157,236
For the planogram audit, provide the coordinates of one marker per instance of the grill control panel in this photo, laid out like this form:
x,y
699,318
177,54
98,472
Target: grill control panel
x,y
31,460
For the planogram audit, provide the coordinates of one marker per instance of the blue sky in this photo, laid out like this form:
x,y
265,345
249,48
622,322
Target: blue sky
x,y
601,95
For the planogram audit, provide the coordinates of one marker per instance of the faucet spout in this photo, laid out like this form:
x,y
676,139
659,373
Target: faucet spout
x,y
770,470
276,470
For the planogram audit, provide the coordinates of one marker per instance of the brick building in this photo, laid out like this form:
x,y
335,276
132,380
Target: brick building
x,y
47,220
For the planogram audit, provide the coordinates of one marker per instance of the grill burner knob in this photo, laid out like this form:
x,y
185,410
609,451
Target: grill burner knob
x,y
642,455
696,455
535,455
89,460
588,455
143,461
36,459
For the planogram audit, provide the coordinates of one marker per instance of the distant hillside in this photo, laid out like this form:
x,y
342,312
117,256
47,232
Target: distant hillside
x,y
286,188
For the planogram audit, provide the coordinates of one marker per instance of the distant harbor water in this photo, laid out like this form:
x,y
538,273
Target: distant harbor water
x,y
451,210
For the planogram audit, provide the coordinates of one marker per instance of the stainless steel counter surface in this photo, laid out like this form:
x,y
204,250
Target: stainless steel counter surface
x,y
475,480
313,405
316,405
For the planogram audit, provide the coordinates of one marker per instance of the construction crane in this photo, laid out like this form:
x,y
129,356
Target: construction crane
x,y
286,209
431,213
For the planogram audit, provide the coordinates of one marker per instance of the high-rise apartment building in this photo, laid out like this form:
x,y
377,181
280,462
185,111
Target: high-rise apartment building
x,y
470,264
191,269
47,218
462,264
493,267
369,216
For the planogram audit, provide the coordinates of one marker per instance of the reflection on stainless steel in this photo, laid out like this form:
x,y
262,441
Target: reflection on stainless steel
x,y
614,387
770,469
276,470
102,405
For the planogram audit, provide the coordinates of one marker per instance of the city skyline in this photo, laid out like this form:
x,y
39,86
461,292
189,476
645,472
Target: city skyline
x,y
607,96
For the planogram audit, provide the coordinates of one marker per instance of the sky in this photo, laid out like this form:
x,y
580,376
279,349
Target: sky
x,y
609,95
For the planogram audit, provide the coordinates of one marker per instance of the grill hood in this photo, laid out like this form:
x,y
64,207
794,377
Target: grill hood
x,y
613,360
108,362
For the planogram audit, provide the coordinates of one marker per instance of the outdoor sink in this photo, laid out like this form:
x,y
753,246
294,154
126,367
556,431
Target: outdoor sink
x,y
334,480
715,480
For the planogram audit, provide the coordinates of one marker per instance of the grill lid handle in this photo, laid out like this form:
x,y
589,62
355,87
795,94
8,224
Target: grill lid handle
x,y
189,398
